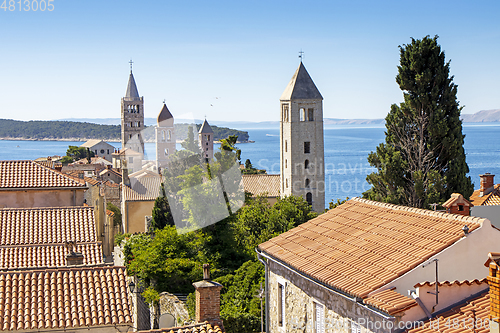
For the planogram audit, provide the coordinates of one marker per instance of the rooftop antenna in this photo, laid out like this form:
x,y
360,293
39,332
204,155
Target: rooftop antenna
x,y
301,55
130,62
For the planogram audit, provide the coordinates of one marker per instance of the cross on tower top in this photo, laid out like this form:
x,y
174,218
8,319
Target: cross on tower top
x,y
301,55
130,62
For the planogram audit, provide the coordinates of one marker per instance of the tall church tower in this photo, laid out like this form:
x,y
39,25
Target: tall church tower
x,y
206,141
301,143
165,137
132,117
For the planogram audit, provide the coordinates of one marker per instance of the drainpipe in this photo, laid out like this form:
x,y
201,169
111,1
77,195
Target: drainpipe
x,y
266,286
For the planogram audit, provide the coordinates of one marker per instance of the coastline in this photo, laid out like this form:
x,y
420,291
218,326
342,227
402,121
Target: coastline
x,y
85,140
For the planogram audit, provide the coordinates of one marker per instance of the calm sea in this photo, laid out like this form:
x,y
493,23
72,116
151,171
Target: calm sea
x,y
346,151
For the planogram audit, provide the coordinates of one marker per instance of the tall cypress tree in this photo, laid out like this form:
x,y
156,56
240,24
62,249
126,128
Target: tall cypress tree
x,y
422,160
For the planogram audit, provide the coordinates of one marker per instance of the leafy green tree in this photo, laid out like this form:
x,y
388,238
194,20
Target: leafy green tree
x,y
422,160
117,219
258,221
77,153
162,216
333,204
250,170
190,143
240,309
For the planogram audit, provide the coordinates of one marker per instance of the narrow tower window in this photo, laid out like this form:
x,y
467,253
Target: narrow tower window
x,y
286,146
302,112
306,164
310,114
309,198
307,147
169,135
307,182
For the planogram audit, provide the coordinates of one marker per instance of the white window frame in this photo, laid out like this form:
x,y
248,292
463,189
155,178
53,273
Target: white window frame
x,y
319,323
281,282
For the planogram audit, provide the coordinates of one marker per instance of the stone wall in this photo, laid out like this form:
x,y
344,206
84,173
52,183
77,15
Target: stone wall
x,y
170,303
301,295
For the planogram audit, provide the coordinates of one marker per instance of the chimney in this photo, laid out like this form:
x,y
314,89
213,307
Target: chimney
x,y
208,299
49,158
73,258
494,282
125,178
457,204
487,183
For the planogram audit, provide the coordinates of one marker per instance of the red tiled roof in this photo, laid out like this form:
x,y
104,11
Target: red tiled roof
x,y
490,199
362,245
450,283
142,189
260,184
91,181
29,174
390,301
64,298
53,255
195,328
29,226
475,310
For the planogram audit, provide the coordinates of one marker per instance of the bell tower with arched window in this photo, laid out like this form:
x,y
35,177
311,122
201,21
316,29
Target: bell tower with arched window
x,y
132,117
301,143
164,137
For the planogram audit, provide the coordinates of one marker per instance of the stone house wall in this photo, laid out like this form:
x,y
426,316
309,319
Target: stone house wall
x,y
300,297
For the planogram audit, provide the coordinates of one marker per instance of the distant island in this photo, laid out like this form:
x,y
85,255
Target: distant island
x,y
63,130
484,116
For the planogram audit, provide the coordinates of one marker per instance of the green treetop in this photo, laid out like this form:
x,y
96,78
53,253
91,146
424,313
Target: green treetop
x,y
422,160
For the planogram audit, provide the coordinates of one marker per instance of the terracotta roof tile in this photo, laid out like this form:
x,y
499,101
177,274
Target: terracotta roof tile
x,y
365,244
32,226
390,301
195,328
29,174
54,255
260,184
492,198
476,309
64,298
450,283
142,189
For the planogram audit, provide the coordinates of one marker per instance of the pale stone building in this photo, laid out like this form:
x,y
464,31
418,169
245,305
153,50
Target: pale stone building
x,y
164,137
132,115
367,266
301,144
206,141
100,148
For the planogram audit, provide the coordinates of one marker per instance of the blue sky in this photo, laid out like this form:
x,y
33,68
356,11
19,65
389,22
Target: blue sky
x,y
231,60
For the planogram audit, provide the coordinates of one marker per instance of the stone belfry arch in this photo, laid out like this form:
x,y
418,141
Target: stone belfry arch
x,y
164,137
132,117
301,140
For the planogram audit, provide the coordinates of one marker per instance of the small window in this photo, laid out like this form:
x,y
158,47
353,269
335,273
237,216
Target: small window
x,y
281,305
207,149
310,114
302,113
130,136
285,112
163,135
309,198
286,146
169,135
102,151
319,318
138,124
206,155
286,183
460,208
206,143
166,152
286,164
108,151
307,147
308,182
95,151
306,164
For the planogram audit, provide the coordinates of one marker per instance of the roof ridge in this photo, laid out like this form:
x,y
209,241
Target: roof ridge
x,y
450,283
421,211
63,269
46,208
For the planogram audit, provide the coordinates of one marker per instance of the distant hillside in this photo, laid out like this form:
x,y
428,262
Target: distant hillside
x,y
82,131
483,116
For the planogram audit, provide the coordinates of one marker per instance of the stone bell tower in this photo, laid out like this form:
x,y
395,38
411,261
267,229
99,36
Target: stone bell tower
x,y
164,137
132,117
301,143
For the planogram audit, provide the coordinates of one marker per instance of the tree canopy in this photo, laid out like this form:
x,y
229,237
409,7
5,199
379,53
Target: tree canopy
x,y
422,160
